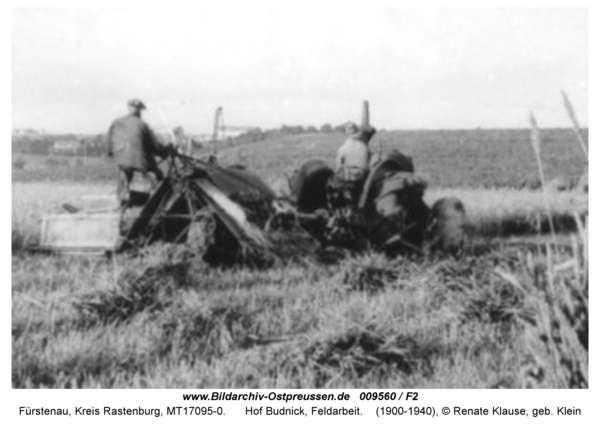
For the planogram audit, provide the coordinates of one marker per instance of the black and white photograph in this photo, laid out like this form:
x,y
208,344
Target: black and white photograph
x,y
299,198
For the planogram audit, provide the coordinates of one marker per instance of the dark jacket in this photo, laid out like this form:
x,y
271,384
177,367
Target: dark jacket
x,y
133,144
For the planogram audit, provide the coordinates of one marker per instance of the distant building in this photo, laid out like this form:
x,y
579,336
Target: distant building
x,y
204,137
27,132
229,133
67,146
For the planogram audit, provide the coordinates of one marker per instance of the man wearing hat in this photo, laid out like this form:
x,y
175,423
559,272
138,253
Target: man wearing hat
x,y
134,145
353,157
352,160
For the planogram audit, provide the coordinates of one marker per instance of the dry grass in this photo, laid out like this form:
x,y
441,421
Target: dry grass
x,y
165,319
558,330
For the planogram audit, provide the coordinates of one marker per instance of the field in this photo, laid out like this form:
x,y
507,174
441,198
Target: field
x,y
447,158
510,313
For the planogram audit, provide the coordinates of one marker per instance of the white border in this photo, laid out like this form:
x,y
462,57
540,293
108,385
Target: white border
x,y
11,399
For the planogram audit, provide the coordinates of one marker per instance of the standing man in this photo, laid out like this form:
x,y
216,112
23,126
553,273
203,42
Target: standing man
x,y
182,142
133,145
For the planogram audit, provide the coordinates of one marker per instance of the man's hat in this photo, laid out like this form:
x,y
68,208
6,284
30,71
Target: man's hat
x,y
136,103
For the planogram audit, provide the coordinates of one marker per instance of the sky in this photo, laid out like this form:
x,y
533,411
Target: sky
x,y
74,69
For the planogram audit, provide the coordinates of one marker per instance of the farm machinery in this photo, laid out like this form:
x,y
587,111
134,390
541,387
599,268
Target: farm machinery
x,y
230,215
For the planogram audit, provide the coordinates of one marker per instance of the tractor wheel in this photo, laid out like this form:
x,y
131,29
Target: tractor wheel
x,y
447,231
309,186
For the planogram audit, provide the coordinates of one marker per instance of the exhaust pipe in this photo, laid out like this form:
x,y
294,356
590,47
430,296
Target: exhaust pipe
x,y
365,121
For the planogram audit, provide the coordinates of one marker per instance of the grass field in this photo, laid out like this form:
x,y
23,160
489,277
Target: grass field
x,y
472,159
166,320
459,158
512,315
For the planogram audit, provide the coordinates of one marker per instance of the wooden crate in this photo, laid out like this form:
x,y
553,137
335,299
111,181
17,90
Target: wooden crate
x,y
81,232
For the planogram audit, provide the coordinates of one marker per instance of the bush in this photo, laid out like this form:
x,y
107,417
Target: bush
x,y
19,164
55,162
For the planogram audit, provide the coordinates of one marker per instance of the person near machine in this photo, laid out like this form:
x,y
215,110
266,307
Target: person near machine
x,y
134,146
353,156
